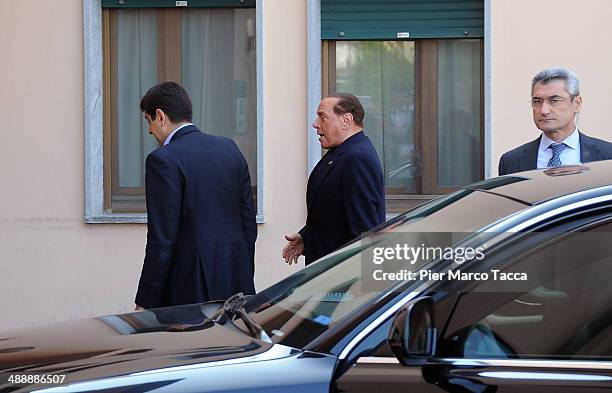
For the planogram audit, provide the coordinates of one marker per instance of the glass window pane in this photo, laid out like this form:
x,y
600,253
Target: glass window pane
x,y
458,112
216,66
218,71
136,70
381,74
564,313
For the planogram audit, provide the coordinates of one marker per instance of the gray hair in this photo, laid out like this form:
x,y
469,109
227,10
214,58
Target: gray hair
x,y
572,86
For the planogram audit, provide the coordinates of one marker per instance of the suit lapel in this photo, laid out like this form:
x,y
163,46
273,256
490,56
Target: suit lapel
x,y
588,149
319,173
325,165
530,156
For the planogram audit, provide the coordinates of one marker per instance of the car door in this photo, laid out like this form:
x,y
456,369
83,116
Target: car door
x,y
552,335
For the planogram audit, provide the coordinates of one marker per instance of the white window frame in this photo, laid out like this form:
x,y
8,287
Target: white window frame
x,y
94,136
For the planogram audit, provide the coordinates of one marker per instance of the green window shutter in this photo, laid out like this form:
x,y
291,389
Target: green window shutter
x,y
174,3
393,19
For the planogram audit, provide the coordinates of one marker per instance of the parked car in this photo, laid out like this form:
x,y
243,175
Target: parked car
x,y
547,329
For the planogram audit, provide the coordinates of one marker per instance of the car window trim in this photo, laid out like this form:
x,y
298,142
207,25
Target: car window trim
x,y
478,362
377,360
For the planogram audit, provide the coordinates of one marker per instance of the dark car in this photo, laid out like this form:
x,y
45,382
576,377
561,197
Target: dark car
x,y
529,310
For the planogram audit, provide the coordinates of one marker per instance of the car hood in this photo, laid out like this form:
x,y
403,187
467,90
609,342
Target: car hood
x,y
124,343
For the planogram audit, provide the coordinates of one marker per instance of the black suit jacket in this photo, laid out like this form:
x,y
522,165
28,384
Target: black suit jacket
x,y
345,197
525,157
201,222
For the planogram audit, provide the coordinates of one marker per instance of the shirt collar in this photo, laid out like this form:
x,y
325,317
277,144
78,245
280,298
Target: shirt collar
x,y
572,141
169,138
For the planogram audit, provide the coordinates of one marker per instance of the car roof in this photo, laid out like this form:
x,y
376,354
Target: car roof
x,y
541,185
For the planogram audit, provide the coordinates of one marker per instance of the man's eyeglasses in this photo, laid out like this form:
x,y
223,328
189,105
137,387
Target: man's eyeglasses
x,y
552,101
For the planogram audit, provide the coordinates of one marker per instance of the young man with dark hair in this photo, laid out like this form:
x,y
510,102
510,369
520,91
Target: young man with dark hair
x,y
200,215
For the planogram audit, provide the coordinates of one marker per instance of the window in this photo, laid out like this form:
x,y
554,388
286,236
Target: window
x,y
209,49
423,104
565,313
418,69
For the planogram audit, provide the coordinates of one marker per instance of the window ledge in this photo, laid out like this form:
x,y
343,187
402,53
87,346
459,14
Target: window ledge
x,y
117,218
132,218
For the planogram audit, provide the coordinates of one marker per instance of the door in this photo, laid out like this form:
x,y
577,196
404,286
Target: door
x,y
554,334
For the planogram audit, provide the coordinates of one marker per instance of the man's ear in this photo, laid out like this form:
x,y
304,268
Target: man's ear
x,y
577,103
347,120
160,115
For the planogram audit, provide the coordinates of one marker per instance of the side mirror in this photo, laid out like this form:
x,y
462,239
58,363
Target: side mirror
x,y
413,332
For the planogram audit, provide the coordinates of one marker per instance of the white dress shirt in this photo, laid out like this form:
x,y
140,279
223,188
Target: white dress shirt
x,y
569,156
174,132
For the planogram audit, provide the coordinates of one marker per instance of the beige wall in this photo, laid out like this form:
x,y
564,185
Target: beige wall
x,y
52,265
528,36
285,135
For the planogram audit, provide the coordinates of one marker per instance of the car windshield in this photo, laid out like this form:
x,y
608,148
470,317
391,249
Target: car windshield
x,y
301,307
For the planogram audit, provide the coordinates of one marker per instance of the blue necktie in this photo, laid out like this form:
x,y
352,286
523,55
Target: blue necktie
x,y
557,148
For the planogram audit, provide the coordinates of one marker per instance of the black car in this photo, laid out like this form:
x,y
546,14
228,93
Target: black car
x,y
529,310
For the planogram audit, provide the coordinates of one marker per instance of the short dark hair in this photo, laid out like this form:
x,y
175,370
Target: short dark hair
x,y
348,103
171,98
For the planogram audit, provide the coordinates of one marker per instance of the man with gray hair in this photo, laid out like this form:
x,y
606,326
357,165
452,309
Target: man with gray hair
x,y
556,102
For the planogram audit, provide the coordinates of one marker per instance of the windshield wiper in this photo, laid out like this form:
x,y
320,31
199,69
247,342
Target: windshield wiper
x,y
234,307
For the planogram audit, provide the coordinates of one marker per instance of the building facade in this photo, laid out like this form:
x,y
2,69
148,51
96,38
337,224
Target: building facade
x,y
444,99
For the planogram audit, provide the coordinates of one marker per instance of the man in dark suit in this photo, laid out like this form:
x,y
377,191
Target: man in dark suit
x,y
345,194
201,220
556,102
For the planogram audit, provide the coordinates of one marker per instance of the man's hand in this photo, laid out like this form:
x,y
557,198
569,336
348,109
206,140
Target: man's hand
x,y
138,308
294,248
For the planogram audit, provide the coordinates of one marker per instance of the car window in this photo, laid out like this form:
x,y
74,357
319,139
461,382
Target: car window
x,y
299,309
566,313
